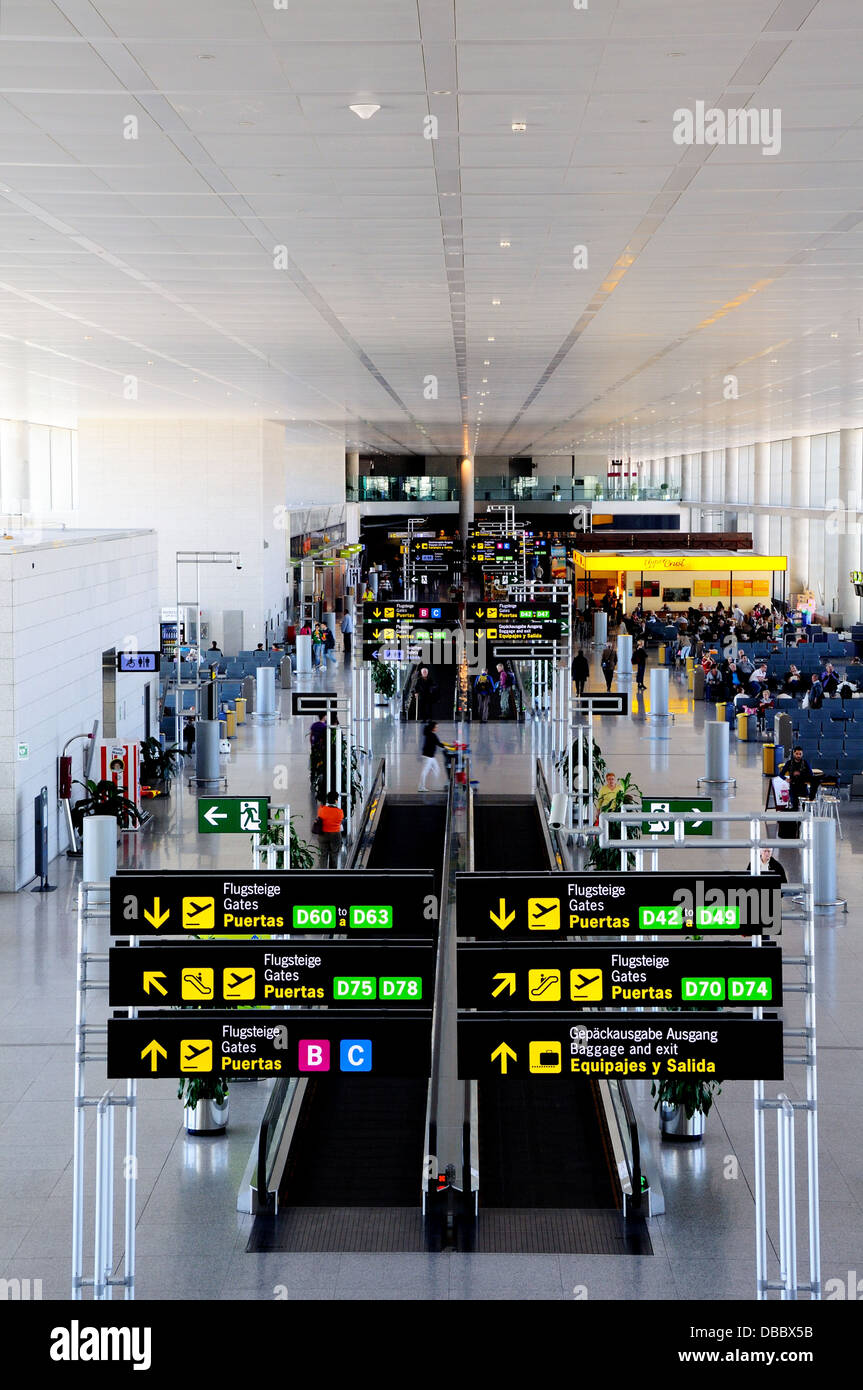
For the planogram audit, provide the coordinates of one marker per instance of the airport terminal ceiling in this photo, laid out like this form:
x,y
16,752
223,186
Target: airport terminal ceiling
x,y
551,236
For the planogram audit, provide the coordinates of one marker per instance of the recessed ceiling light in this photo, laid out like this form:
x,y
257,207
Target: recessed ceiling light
x,y
442,92
486,363
506,243
149,364
485,379
834,335
88,337
365,110
206,57
519,127
489,340
495,301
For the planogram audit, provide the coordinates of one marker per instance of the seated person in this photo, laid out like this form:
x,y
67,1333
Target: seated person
x,y
829,679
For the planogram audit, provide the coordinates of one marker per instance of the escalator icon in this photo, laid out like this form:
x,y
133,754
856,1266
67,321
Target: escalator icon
x,y
198,984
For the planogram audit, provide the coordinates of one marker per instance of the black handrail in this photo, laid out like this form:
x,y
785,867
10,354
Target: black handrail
x,y
632,1126
440,973
271,1114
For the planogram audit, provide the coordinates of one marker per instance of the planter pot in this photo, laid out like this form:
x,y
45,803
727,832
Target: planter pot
x,y
675,1127
207,1118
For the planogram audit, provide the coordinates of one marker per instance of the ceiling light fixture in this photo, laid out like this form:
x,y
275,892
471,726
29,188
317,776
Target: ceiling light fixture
x,y
495,302
489,340
506,243
519,127
365,110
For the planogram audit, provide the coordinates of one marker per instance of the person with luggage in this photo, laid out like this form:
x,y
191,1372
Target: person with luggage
x,y
430,744
504,689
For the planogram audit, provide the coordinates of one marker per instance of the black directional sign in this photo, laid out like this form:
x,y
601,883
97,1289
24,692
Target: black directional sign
x,y
554,906
361,905
515,622
496,552
315,701
401,612
277,973
545,977
400,626
682,1046
436,555
601,702
305,1043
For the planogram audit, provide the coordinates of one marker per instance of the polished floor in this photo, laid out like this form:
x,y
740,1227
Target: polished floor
x,y
192,1241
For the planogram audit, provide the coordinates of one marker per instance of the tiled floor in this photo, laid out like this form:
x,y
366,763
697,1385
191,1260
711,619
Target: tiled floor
x,y
191,1241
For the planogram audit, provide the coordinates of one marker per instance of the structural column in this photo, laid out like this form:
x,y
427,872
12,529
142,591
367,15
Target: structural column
x,y
690,484
465,496
352,476
761,496
798,560
731,476
848,520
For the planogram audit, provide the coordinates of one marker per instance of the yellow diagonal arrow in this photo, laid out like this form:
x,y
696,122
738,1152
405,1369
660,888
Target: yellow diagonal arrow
x,y
152,1050
156,918
501,918
152,977
504,981
504,1052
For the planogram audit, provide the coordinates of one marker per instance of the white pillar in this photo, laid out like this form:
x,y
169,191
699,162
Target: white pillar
x,y
732,476
706,472
352,475
690,477
465,497
849,542
761,495
798,560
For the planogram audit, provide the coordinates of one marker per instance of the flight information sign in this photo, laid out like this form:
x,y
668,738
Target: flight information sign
x,y
435,556
333,973
363,905
583,906
496,553
401,613
654,1047
510,977
304,1043
517,622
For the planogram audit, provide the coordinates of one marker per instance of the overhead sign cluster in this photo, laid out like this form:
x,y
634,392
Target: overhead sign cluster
x,y
378,980
541,958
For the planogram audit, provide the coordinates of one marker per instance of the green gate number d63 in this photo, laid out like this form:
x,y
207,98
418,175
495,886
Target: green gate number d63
x,y
377,917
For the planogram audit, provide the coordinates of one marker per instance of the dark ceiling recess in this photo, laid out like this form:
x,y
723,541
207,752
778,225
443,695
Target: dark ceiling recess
x,y
394,465
520,467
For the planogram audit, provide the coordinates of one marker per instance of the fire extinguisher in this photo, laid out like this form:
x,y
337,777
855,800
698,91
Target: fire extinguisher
x,y
66,779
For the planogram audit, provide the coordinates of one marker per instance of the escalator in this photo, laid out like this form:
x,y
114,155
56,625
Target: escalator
x,y
352,1175
548,1175
446,678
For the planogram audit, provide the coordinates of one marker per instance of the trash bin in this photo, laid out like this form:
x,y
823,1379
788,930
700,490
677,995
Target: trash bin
x,y
746,727
660,656
240,705
697,683
721,707
768,759
231,723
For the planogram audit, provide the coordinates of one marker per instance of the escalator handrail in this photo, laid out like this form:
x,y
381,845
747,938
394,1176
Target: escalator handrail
x,y
272,1115
437,1014
369,818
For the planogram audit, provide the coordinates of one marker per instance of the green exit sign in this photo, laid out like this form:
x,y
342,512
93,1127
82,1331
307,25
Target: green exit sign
x,y
233,815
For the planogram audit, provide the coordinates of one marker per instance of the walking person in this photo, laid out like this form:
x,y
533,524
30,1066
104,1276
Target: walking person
x,y
431,743
639,661
580,671
426,692
331,817
504,684
483,689
317,646
608,663
347,627
329,645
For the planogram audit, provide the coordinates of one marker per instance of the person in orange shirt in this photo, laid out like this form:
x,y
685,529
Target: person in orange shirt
x,y
331,817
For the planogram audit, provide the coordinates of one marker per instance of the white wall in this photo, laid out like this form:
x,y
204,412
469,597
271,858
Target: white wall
x,y
62,604
315,473
203,485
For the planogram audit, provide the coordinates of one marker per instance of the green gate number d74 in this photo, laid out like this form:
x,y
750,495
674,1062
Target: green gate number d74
x,y
758,989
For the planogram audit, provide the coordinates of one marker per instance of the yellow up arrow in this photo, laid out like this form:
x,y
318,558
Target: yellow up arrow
x,y
504,981
152,977
504,1052
156,918
501,918
152,1050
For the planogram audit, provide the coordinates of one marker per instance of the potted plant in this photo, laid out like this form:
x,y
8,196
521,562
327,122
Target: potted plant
x,y
104,798
384,681
205,1104
318,771
158,764
301,854
683,1107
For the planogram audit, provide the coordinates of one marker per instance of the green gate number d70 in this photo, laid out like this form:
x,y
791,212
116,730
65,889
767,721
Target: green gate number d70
x,y
710,990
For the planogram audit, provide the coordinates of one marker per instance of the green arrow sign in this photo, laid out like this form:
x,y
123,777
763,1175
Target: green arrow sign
x,y
232,815
662,809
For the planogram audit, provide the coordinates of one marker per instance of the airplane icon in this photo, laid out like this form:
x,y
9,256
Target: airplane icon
x,y
193,1052
585,986
196,1054
238,984
199,914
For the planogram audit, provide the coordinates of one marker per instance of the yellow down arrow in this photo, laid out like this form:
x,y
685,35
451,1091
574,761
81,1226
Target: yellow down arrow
x,y
156,918
152,977
504,1052
501,918
153,1049
504,981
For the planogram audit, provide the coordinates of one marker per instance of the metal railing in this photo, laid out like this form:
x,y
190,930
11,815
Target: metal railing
x,y
499,487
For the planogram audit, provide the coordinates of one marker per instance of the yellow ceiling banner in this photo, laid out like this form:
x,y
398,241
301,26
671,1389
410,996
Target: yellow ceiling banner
x,y
670,564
